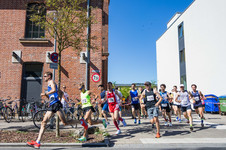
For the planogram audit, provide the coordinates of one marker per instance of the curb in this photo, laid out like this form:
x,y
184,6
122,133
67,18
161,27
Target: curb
x,y
105,144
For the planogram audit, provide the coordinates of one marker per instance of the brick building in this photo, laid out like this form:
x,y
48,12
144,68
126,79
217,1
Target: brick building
x,y
24,79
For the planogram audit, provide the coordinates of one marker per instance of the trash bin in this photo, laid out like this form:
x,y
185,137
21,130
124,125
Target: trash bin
x,y
211,103
222,100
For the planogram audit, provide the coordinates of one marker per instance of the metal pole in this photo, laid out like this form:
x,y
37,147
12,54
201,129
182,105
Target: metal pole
x,y
87,47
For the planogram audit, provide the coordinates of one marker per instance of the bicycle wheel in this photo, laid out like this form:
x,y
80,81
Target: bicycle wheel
x,y
8,114
39,116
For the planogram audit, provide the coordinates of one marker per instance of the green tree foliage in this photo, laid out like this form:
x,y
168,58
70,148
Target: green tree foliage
x,y
66,21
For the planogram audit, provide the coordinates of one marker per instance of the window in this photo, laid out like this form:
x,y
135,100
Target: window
x,y
182,56
32,30
181,31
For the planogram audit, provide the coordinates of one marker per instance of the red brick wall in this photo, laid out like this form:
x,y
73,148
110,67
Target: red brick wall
x,y
12,28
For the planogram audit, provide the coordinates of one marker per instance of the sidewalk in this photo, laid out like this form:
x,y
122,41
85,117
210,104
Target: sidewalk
x,y
214,131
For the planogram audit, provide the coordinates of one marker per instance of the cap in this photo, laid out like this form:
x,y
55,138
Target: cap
x,y
182,85
147,83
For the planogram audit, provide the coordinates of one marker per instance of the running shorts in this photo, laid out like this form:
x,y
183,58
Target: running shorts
x,y
135,106
153,112
86,109
165,106
184,109
113,108
55,107
105,107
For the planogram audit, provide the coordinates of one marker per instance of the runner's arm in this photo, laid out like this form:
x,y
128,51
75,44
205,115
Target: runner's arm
x,y
142,97
203,96
176,99
160,98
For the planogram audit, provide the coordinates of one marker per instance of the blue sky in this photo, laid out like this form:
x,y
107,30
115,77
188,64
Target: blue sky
x,y
134,27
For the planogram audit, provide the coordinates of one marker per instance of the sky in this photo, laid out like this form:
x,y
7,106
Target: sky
x,y
134,27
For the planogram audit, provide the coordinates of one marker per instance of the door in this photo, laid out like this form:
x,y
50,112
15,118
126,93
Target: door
x,y
32,81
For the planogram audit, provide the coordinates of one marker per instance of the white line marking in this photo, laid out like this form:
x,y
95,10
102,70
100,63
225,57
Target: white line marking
x,y
182,140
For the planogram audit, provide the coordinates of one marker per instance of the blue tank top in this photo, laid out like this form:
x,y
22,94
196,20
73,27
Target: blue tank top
x,y
102,95
164,97
53,98
196,96
134,94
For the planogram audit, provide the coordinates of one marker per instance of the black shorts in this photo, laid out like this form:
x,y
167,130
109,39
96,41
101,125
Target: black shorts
x,y
135,106
184,109
167,107
86,109
55,107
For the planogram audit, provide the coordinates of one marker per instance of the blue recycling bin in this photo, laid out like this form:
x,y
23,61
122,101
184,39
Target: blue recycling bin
x,y
211,103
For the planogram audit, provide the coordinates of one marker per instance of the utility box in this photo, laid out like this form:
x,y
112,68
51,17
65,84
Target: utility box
x,y
48,60
83,57
16,56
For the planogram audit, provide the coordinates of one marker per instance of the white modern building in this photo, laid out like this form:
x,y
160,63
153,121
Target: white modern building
x,y
193,48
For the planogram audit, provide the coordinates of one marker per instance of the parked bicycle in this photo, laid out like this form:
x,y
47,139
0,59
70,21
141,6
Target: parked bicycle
x,y
3,107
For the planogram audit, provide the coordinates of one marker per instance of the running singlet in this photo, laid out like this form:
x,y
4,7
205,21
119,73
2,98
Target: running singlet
x,y
184,99
150,99
111,98
196,97
53,98
164,102
134,94
102,96
85,99
174,98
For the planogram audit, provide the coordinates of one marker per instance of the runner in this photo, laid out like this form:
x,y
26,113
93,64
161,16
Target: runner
x,y
120,102
113,105
152,105
197,101
133,96
176,105
104,103
88,110
183,98
142,105
65,99
165,106
54,107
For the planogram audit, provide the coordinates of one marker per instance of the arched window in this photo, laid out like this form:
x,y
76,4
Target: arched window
x,y
33,30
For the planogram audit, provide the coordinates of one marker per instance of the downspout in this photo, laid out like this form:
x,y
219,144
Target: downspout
x,y
88,46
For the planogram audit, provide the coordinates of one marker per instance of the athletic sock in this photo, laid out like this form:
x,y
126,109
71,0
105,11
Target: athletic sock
x,y
120,119
116,125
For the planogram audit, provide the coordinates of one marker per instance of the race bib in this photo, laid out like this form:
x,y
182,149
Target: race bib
x,y
164,105
134,99
84,101
150,98
51,98
102,99
197,99
111,100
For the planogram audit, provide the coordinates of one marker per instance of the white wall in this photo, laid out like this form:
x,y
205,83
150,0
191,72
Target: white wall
x,y
205,48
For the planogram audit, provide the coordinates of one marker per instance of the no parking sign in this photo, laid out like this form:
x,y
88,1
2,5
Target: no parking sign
x,y
54,57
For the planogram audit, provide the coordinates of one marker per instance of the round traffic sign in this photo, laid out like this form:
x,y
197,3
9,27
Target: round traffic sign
x,y
95,77
54,57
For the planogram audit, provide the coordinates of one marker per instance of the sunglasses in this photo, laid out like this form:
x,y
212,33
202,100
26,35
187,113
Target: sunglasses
x,y
45,76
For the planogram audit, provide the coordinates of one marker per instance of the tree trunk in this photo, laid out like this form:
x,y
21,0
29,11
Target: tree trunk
x,y
59,82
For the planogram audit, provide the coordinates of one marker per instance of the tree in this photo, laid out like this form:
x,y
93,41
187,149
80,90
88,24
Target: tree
x,y
66,22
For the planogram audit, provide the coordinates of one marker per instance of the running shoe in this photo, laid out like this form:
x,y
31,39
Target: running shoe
x,y
34,144
146,116
166,123
105,123
138,121
108,123
124,122
170,124
135,121
142,116
202,124
82,139
152,126
191,129
179,120
118,132
157,135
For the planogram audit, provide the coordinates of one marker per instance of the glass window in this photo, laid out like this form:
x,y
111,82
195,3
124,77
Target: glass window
x,y
32,30
182,56
33,70
181,31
